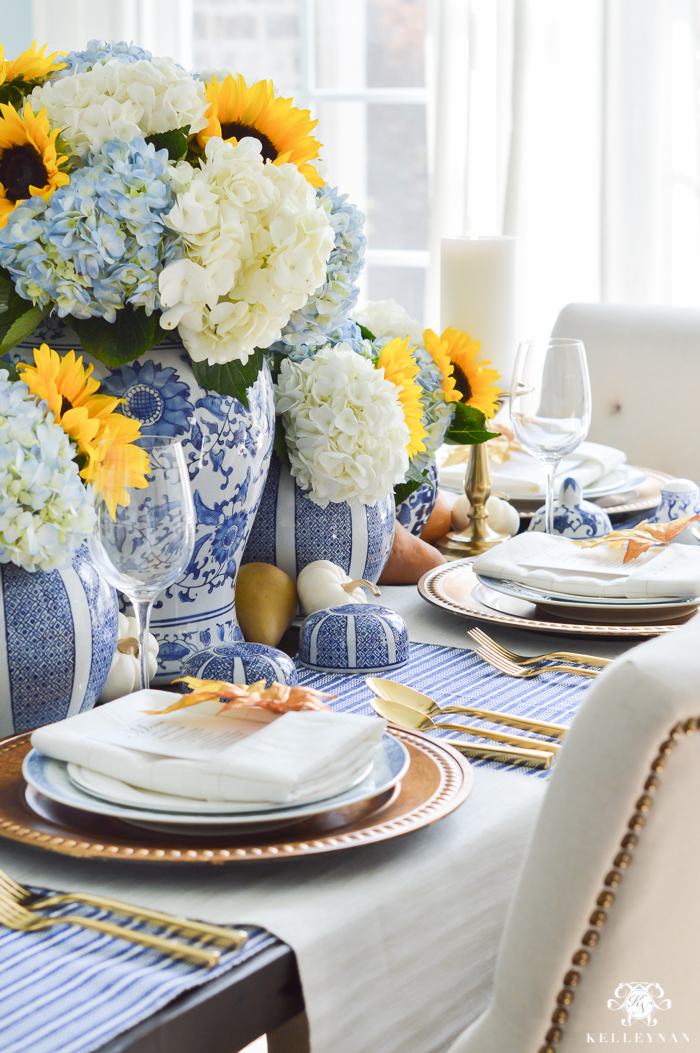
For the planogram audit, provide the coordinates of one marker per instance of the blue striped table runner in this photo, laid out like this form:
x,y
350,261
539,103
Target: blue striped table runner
x,y
453,676
70,990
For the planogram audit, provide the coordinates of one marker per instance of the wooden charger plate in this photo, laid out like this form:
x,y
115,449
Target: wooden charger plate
x,y
438,780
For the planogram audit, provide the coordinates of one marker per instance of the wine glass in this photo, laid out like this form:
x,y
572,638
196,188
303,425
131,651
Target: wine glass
x,y
144,546
550,404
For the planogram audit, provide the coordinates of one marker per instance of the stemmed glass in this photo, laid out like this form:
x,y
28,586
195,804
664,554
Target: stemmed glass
x,y
550,404
147,544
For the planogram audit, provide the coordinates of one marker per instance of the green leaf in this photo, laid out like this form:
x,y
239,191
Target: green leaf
x,y
114,343
468,427
414,479
366,333
23,327
230,378
175,142
280,443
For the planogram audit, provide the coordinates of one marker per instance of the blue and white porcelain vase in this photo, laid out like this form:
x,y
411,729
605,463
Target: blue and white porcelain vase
x,y
59,632
291,531
415,511
574,517
227,447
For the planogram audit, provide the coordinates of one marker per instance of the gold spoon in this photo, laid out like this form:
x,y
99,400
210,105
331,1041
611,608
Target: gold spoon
x,y
390,691
412,720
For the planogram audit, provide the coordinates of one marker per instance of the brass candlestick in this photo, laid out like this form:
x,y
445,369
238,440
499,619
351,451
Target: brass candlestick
x,y
478,535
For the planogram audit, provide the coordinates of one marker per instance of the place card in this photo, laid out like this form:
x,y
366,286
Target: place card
x,y
188,736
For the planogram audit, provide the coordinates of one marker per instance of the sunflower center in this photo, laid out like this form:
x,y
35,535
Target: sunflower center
x,y
65,405
21,166
462,383
232,130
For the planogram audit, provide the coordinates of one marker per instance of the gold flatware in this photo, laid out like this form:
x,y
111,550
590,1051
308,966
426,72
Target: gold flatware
x,y
15,916
391,691
568,656
506,754
504,665
196,929
414,720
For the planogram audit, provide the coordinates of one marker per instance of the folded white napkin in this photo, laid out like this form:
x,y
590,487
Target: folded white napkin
x,y
523,476
546,561
287,759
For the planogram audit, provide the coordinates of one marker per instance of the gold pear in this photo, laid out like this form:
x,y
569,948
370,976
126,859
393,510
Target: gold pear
x,y
266,602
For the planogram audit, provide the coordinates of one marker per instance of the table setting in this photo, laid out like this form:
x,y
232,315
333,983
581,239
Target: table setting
x,y
298,604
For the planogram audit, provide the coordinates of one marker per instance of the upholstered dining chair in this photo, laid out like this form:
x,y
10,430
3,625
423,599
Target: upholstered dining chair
x,y
645,378
603,936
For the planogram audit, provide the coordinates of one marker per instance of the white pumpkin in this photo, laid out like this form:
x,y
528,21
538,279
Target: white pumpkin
x,y
124,675
324,584
502,516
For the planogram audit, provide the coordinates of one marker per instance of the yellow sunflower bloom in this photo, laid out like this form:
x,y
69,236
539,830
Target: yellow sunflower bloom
x,y
401,369
30,65
464,379
237,111
29,166
88,418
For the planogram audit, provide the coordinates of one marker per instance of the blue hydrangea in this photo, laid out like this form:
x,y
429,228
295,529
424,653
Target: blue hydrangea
x,y
324,318
98,52
101,241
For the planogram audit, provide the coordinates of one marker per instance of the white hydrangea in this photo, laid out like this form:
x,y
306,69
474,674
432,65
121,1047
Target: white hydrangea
x,y
116,100
345,426
46,511
256,247
388,318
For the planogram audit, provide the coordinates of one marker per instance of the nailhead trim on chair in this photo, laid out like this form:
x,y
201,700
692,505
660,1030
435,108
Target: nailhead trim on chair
x,y
606,898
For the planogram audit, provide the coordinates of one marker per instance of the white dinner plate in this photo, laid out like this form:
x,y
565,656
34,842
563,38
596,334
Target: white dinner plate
x,y
50,778
561,599
619,481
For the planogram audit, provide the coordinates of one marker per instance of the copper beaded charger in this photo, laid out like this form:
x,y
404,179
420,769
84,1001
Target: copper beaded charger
x,y
438,780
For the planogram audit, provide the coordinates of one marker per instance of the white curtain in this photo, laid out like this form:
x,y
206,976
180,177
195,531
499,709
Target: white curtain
x,y
572,124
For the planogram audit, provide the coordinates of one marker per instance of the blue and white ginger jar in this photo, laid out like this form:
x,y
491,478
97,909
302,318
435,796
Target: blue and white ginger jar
x,y
415,511
242,663
227,447
59,632
574,517
679,498
354,638
290,531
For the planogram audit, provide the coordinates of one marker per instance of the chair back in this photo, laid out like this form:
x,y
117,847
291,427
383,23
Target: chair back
x,y
601,944
645,377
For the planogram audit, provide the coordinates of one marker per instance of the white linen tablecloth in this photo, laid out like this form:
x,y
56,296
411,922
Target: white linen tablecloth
x,y
395,942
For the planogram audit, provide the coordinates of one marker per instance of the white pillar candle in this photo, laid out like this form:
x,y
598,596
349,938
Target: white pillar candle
x,y
477,282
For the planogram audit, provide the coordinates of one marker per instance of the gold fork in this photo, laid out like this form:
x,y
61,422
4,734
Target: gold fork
x,y
504,665
15,916
185,926
570,656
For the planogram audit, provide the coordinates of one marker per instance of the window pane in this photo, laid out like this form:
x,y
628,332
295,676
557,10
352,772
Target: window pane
x,y
395,43
397,177
258,38
406,285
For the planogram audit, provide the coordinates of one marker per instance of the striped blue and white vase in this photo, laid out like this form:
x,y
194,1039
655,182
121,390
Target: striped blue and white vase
x,y
227,448
291,531
58,632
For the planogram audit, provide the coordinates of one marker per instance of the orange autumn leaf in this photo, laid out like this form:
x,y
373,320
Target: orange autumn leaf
x,y
641,538
278,698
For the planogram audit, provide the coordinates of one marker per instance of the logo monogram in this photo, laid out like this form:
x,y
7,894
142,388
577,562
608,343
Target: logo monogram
x,y
639,1001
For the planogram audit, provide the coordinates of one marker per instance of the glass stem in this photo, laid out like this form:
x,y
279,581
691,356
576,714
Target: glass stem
x,y
142,613
549,498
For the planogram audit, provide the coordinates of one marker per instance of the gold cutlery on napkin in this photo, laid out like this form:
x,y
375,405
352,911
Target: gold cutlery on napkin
x,y
185,926
568,656
391,691
14,915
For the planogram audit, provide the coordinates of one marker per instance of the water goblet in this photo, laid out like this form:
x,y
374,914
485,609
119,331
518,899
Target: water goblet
x,y
550,404
145,543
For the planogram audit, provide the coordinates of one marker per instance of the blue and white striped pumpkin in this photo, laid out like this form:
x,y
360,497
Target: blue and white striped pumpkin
x,y
354,638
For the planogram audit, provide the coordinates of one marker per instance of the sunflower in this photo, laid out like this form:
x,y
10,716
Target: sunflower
x,y
464,379
237,111
29,66
401,369
29,166
87,418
